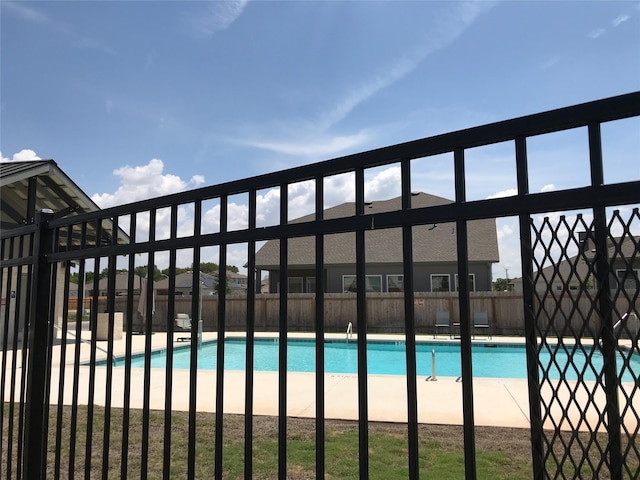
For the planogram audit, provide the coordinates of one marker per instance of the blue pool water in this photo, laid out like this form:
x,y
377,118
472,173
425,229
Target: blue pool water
x,y
489,360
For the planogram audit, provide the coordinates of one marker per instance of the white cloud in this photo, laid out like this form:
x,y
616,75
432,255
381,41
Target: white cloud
x,y
383,185
216,16
616,22
142,182
267,208
505,230
388,76
22,155
509,246
339,189
317,146
197,180
510,192
550,62
550,187
620,19
302,199
36,16
26,13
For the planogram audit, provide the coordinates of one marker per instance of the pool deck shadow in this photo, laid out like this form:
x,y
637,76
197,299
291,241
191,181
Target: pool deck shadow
x,y
497,402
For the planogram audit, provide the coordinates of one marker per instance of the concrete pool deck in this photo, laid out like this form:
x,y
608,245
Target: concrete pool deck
x,y
497,402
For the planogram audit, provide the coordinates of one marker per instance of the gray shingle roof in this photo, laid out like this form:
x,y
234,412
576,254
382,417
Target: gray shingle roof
x,y
624,249
430,245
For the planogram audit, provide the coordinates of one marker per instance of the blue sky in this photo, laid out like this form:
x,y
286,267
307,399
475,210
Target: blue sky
x,y
139,99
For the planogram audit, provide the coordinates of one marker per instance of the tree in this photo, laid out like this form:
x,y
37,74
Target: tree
x,y
216,285
141,271
105,272
211,268
179,270
501,285
208,267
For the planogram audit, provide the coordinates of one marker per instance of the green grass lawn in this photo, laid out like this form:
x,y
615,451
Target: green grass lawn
x,y
501,453
440,448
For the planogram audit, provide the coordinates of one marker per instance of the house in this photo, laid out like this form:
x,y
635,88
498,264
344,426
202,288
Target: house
x,y
184,284
237,282
434,254
121,284
623,254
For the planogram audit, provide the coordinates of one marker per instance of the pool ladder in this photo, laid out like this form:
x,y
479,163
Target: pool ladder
x,y
433,377
349,333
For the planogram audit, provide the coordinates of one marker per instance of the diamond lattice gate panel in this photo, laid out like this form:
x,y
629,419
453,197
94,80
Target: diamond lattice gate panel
x,y
585,290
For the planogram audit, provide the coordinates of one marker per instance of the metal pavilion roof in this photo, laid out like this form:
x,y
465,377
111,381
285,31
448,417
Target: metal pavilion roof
x,y
27,187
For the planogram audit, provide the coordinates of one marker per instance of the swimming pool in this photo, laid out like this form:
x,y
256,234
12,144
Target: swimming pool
x,y
388,358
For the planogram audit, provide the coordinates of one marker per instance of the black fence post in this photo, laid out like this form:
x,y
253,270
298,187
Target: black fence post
x,y
38,318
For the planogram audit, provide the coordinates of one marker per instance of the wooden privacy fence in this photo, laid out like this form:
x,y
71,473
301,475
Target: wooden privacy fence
x,y
385,311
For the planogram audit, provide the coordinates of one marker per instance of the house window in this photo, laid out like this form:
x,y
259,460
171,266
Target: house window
x,y
472,283
349,283
311,284
295,284
440,283
373,283
395,283
628,279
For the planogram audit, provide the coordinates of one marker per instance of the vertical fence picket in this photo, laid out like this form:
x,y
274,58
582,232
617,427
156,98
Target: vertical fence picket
x,y
253,284
5,276
126,394
148,331
465,322
169,324
319,333
410,326
24,353
222,305
282,339
531,343
361,309
193,363
93,322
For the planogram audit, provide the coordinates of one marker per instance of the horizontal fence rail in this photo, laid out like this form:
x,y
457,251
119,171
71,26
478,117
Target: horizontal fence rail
x,y
82,396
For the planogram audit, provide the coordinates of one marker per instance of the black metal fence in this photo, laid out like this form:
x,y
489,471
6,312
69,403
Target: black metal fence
x,y
49,391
